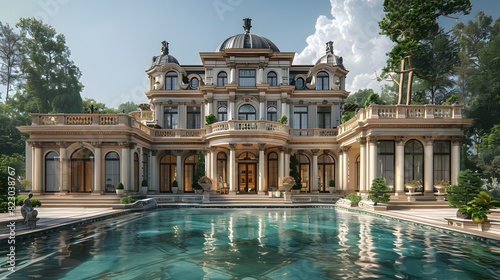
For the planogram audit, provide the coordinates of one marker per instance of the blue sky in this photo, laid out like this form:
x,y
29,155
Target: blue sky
x,y
112,41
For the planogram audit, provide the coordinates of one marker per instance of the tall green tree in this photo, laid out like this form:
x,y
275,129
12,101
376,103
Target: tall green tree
x,y
51,78
10,57
435,63
127,107
408,23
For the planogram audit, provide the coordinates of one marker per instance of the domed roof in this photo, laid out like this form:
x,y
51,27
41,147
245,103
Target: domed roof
x,y
330,58
247,40
164,57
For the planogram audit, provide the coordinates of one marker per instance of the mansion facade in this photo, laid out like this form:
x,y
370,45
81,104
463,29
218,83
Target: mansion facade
x,y
248,84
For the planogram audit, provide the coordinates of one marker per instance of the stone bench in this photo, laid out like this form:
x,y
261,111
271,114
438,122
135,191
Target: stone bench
x,y
465,223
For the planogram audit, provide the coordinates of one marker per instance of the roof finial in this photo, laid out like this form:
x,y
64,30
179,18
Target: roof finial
x,y
164,47
329,47
247,24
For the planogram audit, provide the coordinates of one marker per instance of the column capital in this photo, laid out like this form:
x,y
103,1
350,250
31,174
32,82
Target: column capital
x,y
154,152
399,139
35,144
345,149
456,139
326,151
62,144
232,147
429,140
315,152
362,140
262,146
177,152
372,139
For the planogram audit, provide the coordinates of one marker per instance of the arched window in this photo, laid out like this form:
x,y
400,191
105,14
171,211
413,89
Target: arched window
x,y
222,112
52,182
272,113
221,79
194,83
171,81
272,171
112,171
322,81
272,78
167,172
82,171
414,161
246,113
326,166
299,83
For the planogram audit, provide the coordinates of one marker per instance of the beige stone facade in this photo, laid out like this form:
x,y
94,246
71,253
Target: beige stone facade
x,y
248,84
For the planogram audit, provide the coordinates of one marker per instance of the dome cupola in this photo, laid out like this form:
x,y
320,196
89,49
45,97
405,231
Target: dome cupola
x,y
164,57
247,40
330,58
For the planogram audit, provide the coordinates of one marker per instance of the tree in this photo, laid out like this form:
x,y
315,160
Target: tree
x,y
199,171
92,106
10,57
127,107
407,23
52,80
469,185
294,163
435,64
359,97
379,191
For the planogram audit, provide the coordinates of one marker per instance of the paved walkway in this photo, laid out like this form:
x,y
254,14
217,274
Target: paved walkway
x,y
51,218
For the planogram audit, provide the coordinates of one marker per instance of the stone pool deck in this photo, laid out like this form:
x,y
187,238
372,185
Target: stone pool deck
x,y
53,218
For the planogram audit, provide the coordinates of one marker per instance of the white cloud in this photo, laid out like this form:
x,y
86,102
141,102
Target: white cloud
x,y
354,30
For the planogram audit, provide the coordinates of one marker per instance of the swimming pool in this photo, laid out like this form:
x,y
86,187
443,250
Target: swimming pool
x,y
254,243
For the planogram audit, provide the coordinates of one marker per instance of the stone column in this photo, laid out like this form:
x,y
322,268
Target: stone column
x,y
154,172
362,165
399,180
125,167
63,168
232,169
213,172
231,115
313,184
284,108
38,169
261,168
455,160
262,106
98,169
179,175
345,163
232,73
158,114
281,165
372,167
340,177
428,166
287,161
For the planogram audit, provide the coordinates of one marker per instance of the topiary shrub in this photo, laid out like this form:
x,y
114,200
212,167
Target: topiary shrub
x,y
353,198
379,191
34,202
469,186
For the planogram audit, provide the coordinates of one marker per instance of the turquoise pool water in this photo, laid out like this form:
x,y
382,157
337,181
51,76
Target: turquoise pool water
x,y
254,243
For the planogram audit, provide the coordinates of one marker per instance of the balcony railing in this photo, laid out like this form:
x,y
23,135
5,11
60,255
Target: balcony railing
x,y
122,120
403,112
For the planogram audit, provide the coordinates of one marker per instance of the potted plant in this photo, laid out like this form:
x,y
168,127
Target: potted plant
x,y
205,182
175,187
119,188
480,206
288,182
144,188
210,119
283,120
411,185
331,186
440,185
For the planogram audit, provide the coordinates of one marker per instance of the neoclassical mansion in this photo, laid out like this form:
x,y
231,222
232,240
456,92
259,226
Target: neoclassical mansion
x,y
248,84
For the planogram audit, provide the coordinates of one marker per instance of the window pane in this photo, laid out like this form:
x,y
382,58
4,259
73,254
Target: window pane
x,y
247,77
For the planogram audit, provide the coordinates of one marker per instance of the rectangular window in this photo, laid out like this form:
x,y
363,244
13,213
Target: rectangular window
x,y
222,111
386,161
442,160
193,117
300,117
324,117
247,78
171,118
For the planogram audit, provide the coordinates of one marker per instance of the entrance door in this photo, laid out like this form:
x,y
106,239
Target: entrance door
x,y
247,178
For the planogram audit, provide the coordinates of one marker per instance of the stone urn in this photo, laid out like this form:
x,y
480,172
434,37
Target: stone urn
x,y
206,187
288,187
